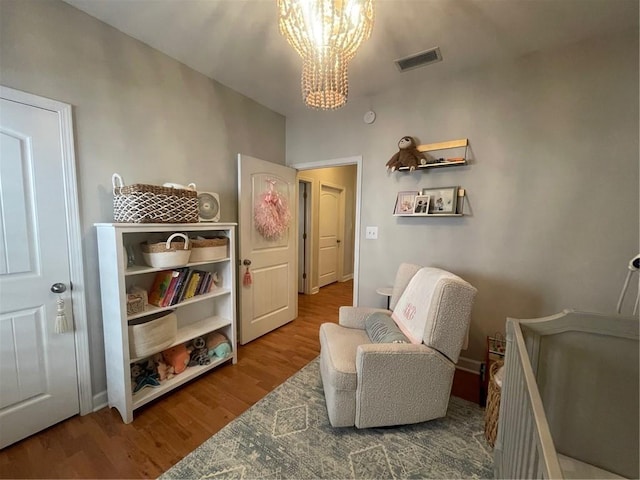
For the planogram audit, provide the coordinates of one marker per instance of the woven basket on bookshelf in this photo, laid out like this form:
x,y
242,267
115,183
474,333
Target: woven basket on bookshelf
x,y
167,254
493,406
149,335
209,249
140,203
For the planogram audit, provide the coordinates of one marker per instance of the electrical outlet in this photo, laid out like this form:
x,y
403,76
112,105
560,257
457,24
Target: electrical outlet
x,y
371,233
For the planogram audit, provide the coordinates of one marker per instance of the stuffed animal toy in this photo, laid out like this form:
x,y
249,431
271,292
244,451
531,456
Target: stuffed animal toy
x,y
218,345
165,371
407,156
199,354
143,375
177,357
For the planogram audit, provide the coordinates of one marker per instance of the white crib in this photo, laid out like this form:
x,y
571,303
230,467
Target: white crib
x,y
569,402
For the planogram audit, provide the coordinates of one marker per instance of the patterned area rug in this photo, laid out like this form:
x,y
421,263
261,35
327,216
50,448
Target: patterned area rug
x,y
287,435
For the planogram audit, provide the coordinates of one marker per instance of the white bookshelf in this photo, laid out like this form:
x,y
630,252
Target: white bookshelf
x,y
214,311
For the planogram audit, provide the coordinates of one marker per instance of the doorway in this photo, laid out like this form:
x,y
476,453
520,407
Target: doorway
x,y
339,180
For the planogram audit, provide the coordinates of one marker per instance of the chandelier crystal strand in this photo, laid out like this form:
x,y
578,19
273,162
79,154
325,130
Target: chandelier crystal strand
x,y
327,35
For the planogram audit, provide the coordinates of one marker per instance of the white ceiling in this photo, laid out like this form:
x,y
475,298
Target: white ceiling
x,y
237,42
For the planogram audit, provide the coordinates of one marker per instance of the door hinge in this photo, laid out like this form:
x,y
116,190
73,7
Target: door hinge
x,y
304,276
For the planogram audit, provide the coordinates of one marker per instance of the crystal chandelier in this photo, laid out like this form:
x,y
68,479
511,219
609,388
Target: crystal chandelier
x,y
326,34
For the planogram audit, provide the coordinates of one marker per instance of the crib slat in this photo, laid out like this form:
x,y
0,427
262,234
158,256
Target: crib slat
x,y
514,385
522,439
531,452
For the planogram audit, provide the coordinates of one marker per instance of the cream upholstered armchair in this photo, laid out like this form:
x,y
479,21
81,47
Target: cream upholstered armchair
x,y
370,381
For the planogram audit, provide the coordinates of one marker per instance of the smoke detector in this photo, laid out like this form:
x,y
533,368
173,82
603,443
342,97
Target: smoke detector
x,y
421,59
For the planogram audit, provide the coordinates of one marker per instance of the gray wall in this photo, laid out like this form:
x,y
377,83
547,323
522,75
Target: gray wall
x,y
552,183
137,112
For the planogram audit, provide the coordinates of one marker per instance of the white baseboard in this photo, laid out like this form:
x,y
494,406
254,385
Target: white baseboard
x,y
346,278
100,400
469,365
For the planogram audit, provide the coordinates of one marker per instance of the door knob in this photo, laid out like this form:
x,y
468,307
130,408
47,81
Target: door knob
x,y
58,288
338,240
246,262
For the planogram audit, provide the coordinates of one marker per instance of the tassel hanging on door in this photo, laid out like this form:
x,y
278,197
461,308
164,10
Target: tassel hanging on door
x,y
246,279
62,324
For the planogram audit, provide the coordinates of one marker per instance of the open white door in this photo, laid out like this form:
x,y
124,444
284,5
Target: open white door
x,y
38,376
270,300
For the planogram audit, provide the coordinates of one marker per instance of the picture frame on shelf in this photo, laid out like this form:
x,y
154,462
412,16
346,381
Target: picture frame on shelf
x,y
405,203
421,205
443,200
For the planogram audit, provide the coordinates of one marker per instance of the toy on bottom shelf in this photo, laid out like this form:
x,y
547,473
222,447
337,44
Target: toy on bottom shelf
x,y
199,354
218,345
165,371
143,374
177,357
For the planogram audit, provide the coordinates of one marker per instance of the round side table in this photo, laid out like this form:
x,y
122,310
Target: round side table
x,y
385,292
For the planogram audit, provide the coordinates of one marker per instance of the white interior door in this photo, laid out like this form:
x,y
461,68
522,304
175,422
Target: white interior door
x,y
38,375
271,299
330,220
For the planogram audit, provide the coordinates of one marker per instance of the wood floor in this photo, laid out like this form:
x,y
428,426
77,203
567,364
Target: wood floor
x,y
99,445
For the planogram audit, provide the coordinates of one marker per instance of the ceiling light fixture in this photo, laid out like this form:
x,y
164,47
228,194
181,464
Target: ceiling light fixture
x,y
326,34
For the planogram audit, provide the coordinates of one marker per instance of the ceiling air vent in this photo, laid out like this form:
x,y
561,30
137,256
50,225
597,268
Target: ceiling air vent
x,y
421,59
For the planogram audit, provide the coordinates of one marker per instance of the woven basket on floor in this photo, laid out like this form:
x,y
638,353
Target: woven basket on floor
x,y
493,406
141,203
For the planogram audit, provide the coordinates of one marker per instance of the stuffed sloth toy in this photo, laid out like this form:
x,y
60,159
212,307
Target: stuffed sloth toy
x,y
407,156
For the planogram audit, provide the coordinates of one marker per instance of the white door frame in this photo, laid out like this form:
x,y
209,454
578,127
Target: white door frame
x,y
304,260
74,232
339,162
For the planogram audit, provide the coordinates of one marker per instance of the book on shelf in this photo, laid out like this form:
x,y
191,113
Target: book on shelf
x,y
174,289
183,287
206,284
202,282
171,290
159,288
191,287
